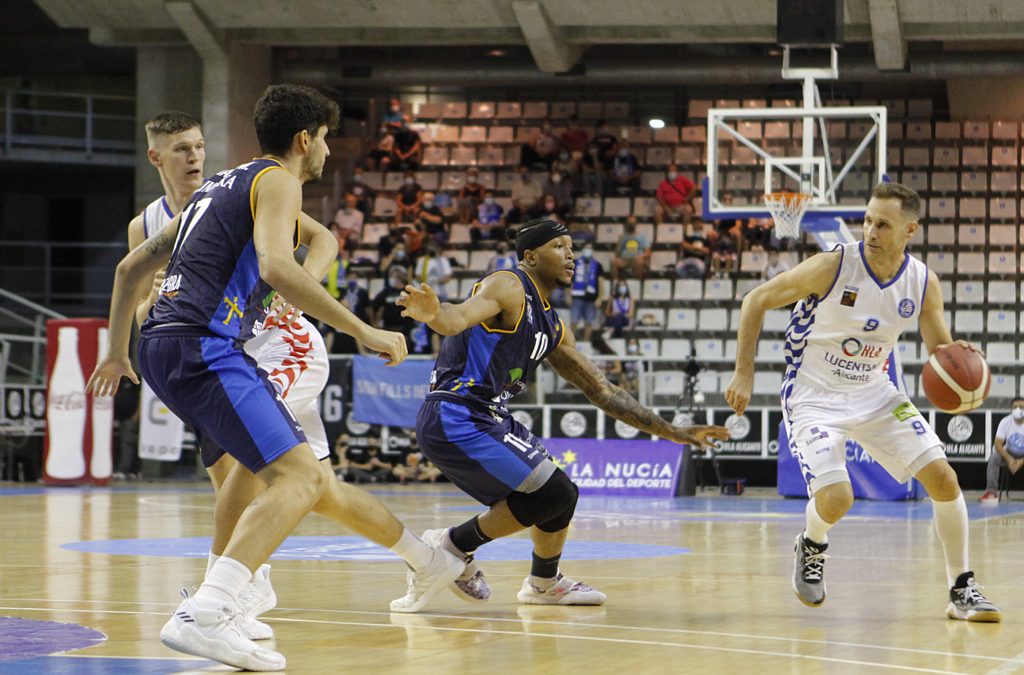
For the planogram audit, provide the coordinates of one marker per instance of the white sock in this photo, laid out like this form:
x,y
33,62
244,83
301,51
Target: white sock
x,y
412,550
543,583
816,528
211,561
224,582
951,526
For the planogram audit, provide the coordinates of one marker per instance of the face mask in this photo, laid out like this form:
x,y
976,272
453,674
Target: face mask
x,y
396,283
623,152
564,157
472,178
410,181
489,201
672,175
556,179
550,206
395,108
399,255
622,289
632,349
587,253
357,178
352,286
427,203
1018,413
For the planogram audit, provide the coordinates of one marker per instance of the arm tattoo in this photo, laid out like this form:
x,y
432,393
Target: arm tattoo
x,y
615,401
158,243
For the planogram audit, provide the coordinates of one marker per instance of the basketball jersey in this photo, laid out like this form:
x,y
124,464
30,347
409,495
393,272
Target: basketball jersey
x,y
842,341
213,278
156,216
488,365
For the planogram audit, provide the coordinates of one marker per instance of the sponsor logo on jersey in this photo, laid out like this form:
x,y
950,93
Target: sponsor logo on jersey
x,y
817,434
906,308
171,284
853,347
232,305
904,411
849,298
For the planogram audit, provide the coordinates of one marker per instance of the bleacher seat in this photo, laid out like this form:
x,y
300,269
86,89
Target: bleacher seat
x,y
491,155
669,233
941,261
771,351
916,157
590,110
919,131
661,261
744,286
942,207
973,181
944,181
454,110
1002,208
616,207
941,235
681,319
689,289
608,233
1001,353
508,110
384,206
374,179
473,134
718,289
453,180
1003,181
535,110
907,351
767,383
466,286
650,317
693,134
648,346
588,207
667,134
372,232
459,234
676,347
1003,292
1002,262
971,235
478,259
657,289
616,110
970,292
1001,322
463,155
1004,155
972,208
480,110
457,257
688,155
669,382
1004,385
752,261
375,286
969,321
917,180
643,207
658,155
970,263
709,349
776,321
712,319
444,133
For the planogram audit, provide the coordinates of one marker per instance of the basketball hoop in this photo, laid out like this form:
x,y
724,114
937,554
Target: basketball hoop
x,y
787,209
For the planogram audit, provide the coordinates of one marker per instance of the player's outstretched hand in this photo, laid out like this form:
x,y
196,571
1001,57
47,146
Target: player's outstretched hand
x,y
737,394
107,377
700,436
388,344
420,304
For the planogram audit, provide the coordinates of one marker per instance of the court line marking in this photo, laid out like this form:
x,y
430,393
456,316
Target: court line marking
x,y
1014,665
520,620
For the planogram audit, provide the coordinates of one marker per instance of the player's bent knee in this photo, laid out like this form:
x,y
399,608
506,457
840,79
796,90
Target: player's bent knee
x,y
549,504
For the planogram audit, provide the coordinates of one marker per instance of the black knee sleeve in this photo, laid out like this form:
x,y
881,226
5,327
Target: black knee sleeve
x,y
550,507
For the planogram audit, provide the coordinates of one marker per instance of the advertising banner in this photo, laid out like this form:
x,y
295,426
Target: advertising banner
x,y
639,468
965,436
161,433
388,395
745,431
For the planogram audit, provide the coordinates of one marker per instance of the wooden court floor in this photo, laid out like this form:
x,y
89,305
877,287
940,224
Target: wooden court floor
x,y
701,585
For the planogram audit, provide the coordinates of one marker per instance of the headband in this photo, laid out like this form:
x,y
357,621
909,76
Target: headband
x,y
536,233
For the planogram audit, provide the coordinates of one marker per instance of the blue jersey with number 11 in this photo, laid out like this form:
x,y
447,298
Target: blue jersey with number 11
x,y
487,365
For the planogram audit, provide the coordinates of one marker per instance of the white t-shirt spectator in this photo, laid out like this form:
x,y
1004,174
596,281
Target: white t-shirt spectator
x,y
771,271
352,221
431,270
1012,436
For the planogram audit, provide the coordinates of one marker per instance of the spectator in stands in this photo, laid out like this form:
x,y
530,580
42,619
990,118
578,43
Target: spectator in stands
x,y
574,138
1008,450
382,155
385,314
632,252
612,368
430,220
416,469
565,165
774,265
674,196
470,196
435,270
334,280
619,310
694,251
756,234
556,186
624,175
527,195
361,465
550,209
406,155
357,300
386,244
582,234
489,220
504,259
363,192
409,199
586,293
724,256
397,255
349,220
606,143
541,149
631,366
591,172
393,117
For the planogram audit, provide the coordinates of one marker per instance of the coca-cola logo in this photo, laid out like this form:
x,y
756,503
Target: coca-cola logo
x,y
74,400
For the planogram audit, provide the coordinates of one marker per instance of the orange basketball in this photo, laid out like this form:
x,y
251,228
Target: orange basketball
x,y
956,379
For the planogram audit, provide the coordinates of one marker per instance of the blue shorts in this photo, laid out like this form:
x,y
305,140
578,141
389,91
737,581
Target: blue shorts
x,y
217,389
583,311
487,455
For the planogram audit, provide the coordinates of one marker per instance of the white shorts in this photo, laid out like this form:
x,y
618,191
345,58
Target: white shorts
x,y
879,417
295,360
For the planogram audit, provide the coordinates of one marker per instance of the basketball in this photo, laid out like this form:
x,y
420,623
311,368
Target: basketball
x,y
956,379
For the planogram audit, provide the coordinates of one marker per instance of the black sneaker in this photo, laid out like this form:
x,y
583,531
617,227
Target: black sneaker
x,y
809,571
966,602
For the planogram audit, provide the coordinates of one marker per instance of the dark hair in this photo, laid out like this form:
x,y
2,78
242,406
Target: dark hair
x,y
910,201
286,109
171,122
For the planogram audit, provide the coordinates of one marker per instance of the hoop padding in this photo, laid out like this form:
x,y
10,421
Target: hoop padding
x,y
787,209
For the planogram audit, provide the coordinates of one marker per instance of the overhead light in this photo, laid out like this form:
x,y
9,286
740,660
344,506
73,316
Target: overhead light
x,y
657,123
497,53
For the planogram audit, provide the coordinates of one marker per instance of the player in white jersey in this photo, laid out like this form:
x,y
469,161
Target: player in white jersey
x,y
291,351
852,305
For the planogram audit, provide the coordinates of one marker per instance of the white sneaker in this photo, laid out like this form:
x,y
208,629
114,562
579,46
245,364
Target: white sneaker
x,y
424,584
214,633
472,585
989,497
565,591
255,599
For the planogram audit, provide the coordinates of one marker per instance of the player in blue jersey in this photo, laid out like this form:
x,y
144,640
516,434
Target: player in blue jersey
x,y
231,245
497,337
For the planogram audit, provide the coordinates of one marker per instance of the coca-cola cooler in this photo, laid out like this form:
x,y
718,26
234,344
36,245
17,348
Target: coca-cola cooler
x,y
79,426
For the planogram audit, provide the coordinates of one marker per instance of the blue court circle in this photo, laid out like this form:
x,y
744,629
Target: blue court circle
x,y
25,638
360,550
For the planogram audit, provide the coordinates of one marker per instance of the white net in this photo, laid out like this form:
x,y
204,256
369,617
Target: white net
x,y
787,209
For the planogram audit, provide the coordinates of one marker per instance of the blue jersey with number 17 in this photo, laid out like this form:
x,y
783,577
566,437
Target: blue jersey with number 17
x,y
213,275
488,366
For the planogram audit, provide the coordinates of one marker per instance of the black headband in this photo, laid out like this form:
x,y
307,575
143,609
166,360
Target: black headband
x,y
536,233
